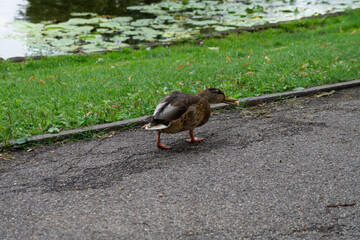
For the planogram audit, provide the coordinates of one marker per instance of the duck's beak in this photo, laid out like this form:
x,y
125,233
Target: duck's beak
x,y
231,101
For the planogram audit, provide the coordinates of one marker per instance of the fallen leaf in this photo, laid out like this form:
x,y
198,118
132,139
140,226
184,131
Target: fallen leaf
x,y
247,64
51,76
324,44
30,79
268,59
42,81
303,65
354,31
199,90
228,59
88,113
324,94
269,116
130,77
180,67
116,106
304,74
249,73
5,157
30,150
265,54
188,63
181,85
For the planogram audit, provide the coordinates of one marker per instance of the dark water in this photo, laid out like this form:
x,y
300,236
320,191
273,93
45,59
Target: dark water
x,y
43,10
59,10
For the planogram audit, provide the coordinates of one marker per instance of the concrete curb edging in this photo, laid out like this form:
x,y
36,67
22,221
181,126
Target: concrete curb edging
x,y
249,101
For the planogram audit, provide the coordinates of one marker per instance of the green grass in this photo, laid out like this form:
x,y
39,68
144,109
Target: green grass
x,y
77,91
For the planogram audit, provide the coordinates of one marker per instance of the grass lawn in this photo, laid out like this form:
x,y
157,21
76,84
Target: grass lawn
x,y
58,93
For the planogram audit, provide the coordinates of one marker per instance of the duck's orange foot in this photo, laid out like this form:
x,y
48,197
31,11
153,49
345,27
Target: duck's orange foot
x,y
195,139
163,146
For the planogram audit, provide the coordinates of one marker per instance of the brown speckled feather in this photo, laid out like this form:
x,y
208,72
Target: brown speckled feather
x,y
196,115
173,106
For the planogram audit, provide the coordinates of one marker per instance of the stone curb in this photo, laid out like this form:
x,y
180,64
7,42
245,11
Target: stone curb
x,y
249,101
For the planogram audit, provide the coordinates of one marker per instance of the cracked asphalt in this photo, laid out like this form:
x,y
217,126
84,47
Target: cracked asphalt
x,y
283,170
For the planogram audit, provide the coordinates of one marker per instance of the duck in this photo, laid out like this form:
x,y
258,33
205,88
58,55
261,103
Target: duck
x,y
180,111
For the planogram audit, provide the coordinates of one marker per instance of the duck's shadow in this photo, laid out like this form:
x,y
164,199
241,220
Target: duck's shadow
x,y
105,176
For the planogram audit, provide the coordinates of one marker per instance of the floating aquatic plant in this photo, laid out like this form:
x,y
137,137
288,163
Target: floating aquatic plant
x,y
172,21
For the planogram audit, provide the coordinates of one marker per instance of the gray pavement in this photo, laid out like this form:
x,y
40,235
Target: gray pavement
x,y
283,170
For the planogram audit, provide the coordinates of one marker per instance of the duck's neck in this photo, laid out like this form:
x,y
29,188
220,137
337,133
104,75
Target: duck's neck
x,y
204,95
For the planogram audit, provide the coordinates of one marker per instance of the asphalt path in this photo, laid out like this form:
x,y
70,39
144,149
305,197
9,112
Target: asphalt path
x,y
282,170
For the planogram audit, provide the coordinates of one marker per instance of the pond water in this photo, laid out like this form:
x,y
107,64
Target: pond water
x,y
52,27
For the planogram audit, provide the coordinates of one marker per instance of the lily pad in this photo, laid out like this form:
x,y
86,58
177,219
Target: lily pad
x,y
119,38
223,28
164,18
202,23
63,42
142,22
121,19
90,48
77,21
55,26
83,14
113,25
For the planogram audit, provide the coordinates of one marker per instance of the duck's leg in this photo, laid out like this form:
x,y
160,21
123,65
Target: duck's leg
x,y
193,139
159,144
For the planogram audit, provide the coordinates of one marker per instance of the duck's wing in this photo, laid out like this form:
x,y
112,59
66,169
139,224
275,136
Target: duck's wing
x,y
173,106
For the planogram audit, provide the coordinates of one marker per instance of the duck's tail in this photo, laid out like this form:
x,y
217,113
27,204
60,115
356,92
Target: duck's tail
x,y
155,126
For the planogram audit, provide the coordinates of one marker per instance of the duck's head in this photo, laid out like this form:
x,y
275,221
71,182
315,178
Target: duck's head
x,y
214,95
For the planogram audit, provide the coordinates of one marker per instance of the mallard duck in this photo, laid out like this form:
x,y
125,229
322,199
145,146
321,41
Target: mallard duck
x,y
181,111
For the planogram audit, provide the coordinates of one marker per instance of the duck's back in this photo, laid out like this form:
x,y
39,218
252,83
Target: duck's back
x,y
195,116
173,106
